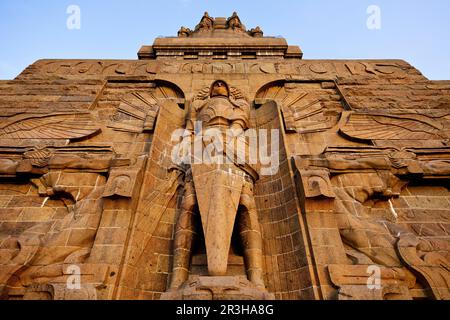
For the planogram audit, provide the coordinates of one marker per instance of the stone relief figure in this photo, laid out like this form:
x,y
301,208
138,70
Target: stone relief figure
x,y
184,32
383,240
45,249
218,194
355,225
256,32
206,23
422,257
235,23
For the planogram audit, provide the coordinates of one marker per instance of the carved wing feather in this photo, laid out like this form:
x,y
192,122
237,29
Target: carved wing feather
x,y
52,126
138,104
383,127
203,94
237,94
303,111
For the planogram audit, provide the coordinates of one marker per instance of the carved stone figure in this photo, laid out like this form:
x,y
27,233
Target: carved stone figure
x,y
219,193
137,178
42,257
256,32
386,243
206,23
235,23
423,258
184,32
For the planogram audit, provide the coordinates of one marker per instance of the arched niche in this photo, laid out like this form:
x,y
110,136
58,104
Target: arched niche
x,y
169,90
269,92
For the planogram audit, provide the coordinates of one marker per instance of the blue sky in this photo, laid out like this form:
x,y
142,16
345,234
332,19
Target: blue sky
x,y
416,31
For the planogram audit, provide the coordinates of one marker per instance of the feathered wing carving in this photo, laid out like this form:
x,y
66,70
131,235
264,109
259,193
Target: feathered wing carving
x,y
48,126
390,127
203,94
138,110
140,106
235,94
302,110
303,113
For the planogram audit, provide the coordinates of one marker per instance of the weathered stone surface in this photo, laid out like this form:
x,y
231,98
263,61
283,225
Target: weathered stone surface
x,y
348,198
218,288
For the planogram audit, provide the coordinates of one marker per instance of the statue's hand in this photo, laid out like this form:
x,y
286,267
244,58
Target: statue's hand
x,y
237,129
181,155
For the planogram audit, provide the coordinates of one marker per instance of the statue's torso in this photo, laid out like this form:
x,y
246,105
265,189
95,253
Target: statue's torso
x,y
219,111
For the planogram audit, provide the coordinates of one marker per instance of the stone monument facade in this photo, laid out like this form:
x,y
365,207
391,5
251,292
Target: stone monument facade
x,y
222,165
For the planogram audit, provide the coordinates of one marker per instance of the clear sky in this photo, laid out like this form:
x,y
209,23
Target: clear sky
x,y
416,31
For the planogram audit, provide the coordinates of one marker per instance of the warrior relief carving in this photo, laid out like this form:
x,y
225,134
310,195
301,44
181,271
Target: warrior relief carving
x,y
219,194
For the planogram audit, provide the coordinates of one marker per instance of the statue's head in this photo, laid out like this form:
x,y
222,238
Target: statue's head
x,y
122,184
219,89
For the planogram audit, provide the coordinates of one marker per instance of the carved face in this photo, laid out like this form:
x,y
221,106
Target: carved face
x,y
219,88
121,184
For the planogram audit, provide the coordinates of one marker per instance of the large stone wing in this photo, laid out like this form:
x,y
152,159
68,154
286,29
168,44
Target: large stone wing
x,y
276,205
151,242
48,126
390,127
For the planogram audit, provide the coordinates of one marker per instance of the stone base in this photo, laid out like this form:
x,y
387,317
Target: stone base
x,y
59,291
352,280
218,288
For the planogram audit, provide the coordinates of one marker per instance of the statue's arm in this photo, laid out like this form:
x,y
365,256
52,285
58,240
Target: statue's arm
x,y
238,127
185,145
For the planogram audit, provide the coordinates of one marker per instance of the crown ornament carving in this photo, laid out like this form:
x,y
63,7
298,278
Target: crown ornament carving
x,y
208,25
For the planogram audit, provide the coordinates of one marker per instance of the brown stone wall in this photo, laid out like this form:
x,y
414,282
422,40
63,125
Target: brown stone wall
x,y
86,177
424,210
286,263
